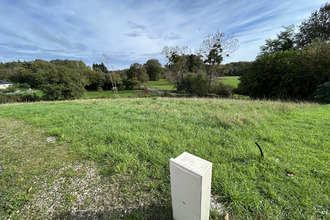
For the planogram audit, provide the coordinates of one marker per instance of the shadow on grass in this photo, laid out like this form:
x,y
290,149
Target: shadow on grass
x,y
149,212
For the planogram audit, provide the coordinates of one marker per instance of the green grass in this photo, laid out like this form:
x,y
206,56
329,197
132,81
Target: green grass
x,y
109,94
25,158
161,84
133,139
230,80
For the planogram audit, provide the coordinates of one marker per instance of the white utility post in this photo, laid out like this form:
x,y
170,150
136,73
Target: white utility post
x,y
191,187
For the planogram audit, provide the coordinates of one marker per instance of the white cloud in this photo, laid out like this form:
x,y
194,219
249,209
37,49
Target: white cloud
x,y
137,30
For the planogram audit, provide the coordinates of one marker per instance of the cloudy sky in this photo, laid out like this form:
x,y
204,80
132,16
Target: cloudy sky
x,y
129,31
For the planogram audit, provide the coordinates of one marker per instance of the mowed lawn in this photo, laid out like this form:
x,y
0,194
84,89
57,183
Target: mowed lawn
x,y
132,140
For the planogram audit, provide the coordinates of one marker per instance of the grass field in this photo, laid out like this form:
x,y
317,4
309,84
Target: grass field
x,y
109,94
130,142
230,80
161,84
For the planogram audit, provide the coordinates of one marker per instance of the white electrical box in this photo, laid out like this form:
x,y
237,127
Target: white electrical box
x,y
191,187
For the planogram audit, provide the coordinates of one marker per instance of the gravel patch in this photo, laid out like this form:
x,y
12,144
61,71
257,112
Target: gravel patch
x,y
50,139
78,191
217,206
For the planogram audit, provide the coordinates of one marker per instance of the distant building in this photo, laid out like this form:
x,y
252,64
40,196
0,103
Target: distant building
x,y
5,84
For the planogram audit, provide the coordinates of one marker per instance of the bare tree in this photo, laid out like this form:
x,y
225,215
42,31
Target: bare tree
x,y
112,79
176,63
227,42
168,51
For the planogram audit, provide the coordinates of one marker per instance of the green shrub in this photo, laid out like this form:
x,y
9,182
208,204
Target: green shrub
x,y
61,83
18,98
222,90
10,89
131,83
291,74
322,93
25,86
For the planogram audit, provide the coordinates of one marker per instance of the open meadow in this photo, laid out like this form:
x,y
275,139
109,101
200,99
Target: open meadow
x,y
161,84
109,158
230,80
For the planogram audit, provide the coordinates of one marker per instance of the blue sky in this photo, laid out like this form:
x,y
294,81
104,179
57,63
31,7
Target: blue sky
x,y
130,31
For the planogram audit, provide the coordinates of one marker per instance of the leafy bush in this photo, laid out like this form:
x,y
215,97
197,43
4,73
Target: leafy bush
x,y
10,89
196,85
222,90
18,98
322,93
25,86
131,83
61,83
154,69
291,74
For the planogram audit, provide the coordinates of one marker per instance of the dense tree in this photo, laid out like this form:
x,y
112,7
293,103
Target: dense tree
x,y
136,74
100,67
291,74
317,27
95,79
292,66
314,61
235,68
270,76
9,70
154,69
41,65
5,73
60,83
284,41
322,93
26,75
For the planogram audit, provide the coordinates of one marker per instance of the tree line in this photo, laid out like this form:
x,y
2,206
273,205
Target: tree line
x,y
295,65
69,79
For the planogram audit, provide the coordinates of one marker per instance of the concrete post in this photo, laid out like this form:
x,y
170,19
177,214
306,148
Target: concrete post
x,y
191,187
